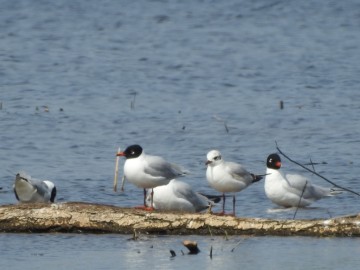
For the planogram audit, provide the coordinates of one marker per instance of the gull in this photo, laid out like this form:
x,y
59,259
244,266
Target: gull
x,y
291,190
227,176
179,196
146,171
30,190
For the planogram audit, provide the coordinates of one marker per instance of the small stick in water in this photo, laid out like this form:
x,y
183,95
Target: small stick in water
x,y
226,127
217,118
116,171
226,235
132,103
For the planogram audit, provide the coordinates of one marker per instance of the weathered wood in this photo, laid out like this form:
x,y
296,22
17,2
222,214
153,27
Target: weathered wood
x,y
96,218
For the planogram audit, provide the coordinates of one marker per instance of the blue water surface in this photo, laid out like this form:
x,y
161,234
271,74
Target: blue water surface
x,y
80,78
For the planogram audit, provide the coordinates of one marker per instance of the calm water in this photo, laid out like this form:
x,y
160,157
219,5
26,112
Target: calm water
x,y
162,74
117,252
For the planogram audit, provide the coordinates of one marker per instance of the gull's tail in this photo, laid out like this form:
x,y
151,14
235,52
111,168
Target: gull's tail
x,y
257,177
335,191
213,198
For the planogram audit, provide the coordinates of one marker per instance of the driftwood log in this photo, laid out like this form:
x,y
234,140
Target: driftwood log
x,y
95,218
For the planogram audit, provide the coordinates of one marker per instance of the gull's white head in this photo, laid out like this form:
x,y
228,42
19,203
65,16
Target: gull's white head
x,y
213,158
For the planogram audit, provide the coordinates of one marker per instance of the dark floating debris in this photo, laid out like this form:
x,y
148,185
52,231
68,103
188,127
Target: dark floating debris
x,y
161,18
132,103
45,108
173,254
281,105
226,127
232,250
191,246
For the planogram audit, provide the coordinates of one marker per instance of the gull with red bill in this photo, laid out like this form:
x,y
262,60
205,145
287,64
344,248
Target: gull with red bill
x,y
291,190
146,171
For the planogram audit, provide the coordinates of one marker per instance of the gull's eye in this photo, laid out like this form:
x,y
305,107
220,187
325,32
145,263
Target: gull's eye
x,y
133,152
217,158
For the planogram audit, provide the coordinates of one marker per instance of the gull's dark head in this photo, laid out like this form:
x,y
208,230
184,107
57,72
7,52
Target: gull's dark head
x,y
273,161
132,151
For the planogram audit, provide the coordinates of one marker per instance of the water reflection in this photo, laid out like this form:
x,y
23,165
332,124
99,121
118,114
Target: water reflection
x,y
59,251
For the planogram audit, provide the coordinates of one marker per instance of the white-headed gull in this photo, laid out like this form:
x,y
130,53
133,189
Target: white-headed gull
x,y
179,196
227,176
30,190
291,190
147,171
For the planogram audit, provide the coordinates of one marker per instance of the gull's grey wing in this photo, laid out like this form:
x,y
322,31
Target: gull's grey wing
x,y
183,190
41,188
238,172
301,185
158,167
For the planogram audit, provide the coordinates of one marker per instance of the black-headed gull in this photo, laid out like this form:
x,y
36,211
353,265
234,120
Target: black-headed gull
x,y
146,171
179,196
227,176
291,190
30,190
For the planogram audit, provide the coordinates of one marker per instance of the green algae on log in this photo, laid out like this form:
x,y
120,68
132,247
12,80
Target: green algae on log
x,y
96,218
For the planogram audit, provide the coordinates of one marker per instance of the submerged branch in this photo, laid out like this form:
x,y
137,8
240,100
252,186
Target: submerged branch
x,y
96,218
